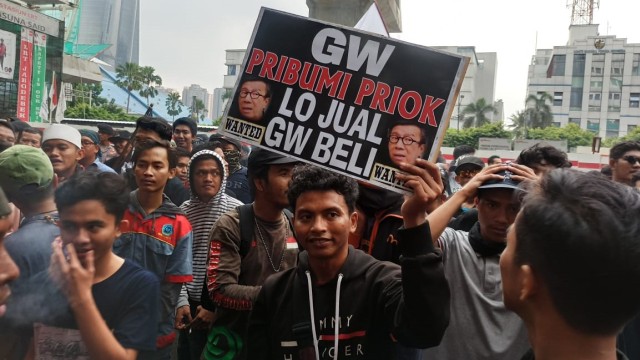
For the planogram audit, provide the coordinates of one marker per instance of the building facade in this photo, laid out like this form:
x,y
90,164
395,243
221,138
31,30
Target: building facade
x,y
114,22
479,82
594,81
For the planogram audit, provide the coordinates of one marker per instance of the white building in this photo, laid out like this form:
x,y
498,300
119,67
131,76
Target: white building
x,y
594,81
197,91
479,82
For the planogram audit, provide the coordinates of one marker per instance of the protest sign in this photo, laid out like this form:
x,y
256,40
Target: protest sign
x,y
351,101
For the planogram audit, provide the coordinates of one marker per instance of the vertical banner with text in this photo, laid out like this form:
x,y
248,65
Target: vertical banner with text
x,y
348,100
38,78
24,76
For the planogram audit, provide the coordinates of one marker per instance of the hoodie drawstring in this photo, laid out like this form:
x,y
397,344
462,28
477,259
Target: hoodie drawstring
x,y
336,327
313,318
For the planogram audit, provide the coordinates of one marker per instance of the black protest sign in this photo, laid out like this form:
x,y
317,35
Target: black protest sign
x,y
354,102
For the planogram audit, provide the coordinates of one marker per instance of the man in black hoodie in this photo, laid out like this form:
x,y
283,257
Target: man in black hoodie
x,y
340,302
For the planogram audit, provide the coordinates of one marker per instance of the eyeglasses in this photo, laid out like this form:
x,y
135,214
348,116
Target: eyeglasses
x,y
87,143
468,173
405,139
632,160
253,94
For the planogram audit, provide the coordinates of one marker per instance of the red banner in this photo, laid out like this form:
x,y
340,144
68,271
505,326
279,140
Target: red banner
x,y
24,77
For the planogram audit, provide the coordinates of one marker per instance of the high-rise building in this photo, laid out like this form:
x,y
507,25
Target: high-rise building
x,y
114,22
594,81
197,91
479,82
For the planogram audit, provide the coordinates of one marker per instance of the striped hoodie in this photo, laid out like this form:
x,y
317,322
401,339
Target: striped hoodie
x,y
203,217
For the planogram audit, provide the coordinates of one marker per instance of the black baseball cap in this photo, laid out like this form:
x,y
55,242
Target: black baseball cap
x,y
505,183
120,135
105,129
260,158
469,163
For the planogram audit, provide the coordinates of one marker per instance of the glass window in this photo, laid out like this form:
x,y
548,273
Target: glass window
x,y
634,100
596,84
635,67
557,99
613,124
556,68
615,84
574,121
593,125
231,69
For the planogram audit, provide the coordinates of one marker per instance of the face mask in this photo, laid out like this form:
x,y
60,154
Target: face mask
x,y
233,159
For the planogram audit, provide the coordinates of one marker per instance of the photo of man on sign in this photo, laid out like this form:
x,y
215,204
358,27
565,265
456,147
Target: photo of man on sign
x,y
253,99
406,142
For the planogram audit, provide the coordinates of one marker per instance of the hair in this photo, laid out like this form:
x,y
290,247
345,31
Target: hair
x,y
256,78
180,152
422,129
536,154
29,195
108,188
463,150
29,130
188,122
159,125
8,125
619,149
579,232
254,173
150,144
491,158
606,171
195,162
312,178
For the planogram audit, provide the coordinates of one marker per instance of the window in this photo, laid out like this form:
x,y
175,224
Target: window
x,y
593,125
597,65
614,96
634,100
613,124
635,67
594,96
596,84
617,64
231,69
557,99
556,68
614,101
574,121
611,134
596,70
615,84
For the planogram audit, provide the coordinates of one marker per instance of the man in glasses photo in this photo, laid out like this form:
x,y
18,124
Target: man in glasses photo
x,y
624,159
253,99
407,142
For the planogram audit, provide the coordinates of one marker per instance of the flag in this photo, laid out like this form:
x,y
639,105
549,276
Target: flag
x,y
53,92
44,106
62,104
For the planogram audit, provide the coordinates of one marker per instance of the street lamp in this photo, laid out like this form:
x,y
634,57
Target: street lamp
x,y
459,102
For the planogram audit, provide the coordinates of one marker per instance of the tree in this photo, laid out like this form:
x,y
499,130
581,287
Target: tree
x,y
574,135
539,115
518,125
107,111
149,80
478,112
174,105
128,77
633,135
87,93
196,107
471,136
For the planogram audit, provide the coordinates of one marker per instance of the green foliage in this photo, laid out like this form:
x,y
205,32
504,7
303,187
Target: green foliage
x,y
574,135
149,80
539,115
196,107
216,122
174,105
478,112
634,135
87,93
470,136
128,76
108,111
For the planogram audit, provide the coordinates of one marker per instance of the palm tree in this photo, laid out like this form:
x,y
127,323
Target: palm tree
x,y
174,105
477,111
196,107
539,111
150,80
519,125
128,77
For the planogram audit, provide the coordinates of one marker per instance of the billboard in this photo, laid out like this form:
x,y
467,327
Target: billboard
x,y
347,100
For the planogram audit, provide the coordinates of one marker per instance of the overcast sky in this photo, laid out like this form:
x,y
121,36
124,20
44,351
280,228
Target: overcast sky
x,y
186,40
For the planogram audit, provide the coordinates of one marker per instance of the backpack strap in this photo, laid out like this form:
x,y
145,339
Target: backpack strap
x,y
246,227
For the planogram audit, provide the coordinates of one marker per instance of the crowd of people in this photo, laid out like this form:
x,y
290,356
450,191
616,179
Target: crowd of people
x,y
154,245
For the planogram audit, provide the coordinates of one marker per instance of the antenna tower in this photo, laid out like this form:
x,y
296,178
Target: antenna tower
x,y
582,11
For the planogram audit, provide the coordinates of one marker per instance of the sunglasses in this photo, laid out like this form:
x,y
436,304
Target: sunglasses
x,y
632,160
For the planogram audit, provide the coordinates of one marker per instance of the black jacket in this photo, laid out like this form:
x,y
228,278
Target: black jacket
x,y
378,302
